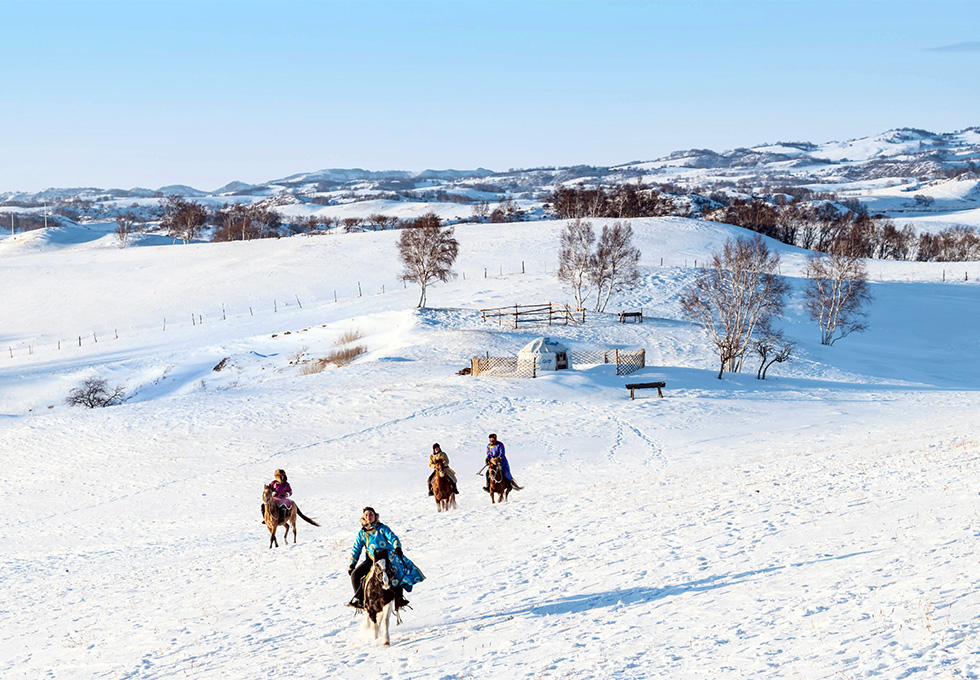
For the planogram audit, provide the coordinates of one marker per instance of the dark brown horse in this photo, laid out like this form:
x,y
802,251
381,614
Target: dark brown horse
x,y
442,488
274,519
499,484
379,595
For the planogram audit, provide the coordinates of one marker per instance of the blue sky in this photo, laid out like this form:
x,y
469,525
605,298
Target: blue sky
x,y
202,93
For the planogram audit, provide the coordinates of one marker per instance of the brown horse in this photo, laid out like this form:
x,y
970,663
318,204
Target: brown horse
x,y
379,595
499,484
274,520
442,488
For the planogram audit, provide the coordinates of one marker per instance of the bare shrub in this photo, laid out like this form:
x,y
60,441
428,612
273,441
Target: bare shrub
x,y
773,348
124,228
349,336
315,366
95,393
345,355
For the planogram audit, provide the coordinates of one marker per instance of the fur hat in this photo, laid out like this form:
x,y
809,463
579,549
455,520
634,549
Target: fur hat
x,y
436,447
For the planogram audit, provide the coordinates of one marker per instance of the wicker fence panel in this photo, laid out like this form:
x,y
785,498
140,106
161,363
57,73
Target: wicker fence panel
x,y
502,367
627,361
588,357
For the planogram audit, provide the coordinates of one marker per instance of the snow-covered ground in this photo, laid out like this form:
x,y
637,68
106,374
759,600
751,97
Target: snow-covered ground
x,y
823,523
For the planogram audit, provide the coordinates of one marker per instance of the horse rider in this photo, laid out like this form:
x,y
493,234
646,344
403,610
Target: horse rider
x,y
372,537
281,491
436,458
495,451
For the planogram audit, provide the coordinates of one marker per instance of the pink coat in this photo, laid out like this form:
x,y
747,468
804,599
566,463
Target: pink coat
x,y
281,492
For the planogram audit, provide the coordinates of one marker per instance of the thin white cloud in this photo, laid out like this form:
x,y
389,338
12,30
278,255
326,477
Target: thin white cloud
x,y
957,47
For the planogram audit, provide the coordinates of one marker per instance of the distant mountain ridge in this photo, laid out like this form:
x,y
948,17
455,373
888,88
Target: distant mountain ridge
x,y
903,154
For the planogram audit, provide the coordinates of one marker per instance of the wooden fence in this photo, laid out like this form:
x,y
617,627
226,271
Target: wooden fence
x,y
549,313
627,361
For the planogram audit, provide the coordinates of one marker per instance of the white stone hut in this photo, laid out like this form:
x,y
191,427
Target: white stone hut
x,y
543,354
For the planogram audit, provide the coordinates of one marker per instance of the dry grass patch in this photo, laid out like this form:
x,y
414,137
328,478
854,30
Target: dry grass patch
x,y
348,336
345,353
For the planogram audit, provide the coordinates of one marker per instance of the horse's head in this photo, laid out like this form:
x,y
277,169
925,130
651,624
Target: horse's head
x,y
266,493
440,468
381,566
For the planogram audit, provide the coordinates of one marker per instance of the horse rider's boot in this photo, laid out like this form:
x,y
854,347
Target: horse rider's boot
x,y
355,603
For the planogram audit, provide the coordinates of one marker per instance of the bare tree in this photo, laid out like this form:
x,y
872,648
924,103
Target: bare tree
x,y
182,219
614,266
95,393
773,348
481,211
836,294
576,259
382,222
124,227
737,293
427,251
352,224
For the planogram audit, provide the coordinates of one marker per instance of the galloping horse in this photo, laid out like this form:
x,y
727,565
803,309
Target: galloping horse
x,y
273,520
379,595
499,484
442,489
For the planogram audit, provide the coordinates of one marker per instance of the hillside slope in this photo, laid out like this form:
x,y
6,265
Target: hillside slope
x,y
819,523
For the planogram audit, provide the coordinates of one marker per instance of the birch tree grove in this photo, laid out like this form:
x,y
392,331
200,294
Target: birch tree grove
x,y
738,293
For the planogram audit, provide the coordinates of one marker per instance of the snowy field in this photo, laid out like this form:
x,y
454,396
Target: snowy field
x,y
824,523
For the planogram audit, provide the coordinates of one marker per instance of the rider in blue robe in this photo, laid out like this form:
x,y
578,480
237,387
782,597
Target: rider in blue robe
x,y
372,537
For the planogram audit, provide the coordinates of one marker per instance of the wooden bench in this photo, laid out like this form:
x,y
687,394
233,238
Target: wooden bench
x,y
643,386
636,316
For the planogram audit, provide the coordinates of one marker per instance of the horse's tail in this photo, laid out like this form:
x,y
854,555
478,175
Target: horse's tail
x,y
300,513
514,486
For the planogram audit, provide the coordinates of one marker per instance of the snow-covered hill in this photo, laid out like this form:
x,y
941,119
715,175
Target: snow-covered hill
x,y
903,173
822,523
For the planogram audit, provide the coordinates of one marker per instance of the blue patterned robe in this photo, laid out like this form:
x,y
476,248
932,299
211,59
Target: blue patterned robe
x,y
497,451
381,537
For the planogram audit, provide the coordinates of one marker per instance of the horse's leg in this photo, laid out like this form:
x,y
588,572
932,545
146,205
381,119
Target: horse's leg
x,y
385,614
